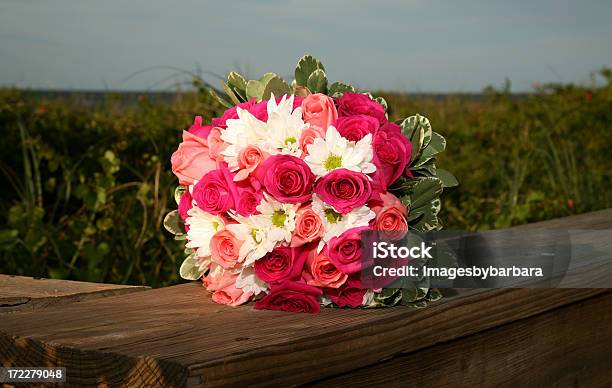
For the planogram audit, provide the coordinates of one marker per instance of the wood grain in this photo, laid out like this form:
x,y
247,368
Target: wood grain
x,y
553,349
26,293
177,336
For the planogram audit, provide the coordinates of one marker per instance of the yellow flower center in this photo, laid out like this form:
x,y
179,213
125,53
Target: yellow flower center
x,y
333,161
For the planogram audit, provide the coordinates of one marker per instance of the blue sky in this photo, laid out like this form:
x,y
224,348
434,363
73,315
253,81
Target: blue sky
x,y
406,45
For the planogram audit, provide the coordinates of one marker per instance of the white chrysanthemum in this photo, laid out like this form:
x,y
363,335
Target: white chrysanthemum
x,y
336,223
279,217
284,127
254,232
335,151
202,227
246,129
248,281
279,134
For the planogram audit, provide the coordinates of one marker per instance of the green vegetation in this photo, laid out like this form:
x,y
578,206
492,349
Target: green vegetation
x,y
85,187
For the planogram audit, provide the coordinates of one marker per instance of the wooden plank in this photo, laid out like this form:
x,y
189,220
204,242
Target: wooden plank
x,y
553,349
180,330
20,293
178,336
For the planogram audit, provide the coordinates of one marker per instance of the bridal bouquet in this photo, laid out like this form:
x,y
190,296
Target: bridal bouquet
x,y
274,194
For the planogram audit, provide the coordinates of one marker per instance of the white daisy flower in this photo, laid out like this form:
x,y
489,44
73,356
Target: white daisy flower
x,y
248,281
202,227
280,218
246,129
336,223
284,127
254,231
335,151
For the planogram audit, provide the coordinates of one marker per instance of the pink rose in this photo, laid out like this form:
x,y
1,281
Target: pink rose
x,y
354,128
213,193
350,294
249,159
344,189
223,285
392,152
307,137
224,248
283,263
215,144
319,110
391,217
191,160
293,297
354,104
344,251
308,227
287,178
321,272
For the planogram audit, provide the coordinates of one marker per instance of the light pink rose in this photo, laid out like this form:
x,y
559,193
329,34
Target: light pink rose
x,y
191,160
308,227
215,144
249,159
224,248
391,216
223,285
319,110
321,272
307,137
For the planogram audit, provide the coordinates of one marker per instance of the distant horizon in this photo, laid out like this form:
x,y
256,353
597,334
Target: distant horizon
x,y
413,46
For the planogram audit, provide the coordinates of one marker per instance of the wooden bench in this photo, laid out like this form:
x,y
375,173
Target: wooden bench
x,y
176,336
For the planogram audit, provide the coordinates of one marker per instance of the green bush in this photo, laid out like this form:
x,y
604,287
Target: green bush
x,y
85,187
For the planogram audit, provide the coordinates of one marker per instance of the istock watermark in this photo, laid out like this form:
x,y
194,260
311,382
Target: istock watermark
x,y
496,259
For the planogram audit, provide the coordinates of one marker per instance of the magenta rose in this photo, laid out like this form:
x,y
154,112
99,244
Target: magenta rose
x,y
344,189
257,109
392,152
283,263
215,192
345,251
360,104
198,129
293,297
349,294
287,178
247,201
185,204
356,127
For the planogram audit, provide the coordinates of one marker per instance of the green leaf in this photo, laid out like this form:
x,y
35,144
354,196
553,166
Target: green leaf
x,y
254,89
276,86
337,89
267,77
435,146
230,93
424,191
178,193
189,269
221,100
418,129
382,102
448,179
317,82
238,83
305,67
173,223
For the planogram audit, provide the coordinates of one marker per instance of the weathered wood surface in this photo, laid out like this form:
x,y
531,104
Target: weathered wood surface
x,y
553,349
26,293
177,336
